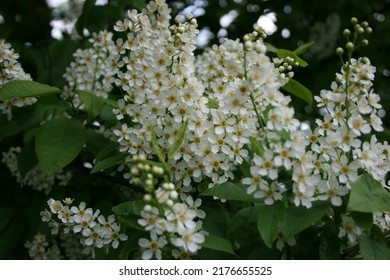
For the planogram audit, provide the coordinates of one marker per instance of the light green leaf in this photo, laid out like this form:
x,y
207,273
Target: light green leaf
x,y
368,195
300,218
270,220
257,147
213,103
282,53
297,89
373,248
270,47
108,162
231,191
218,243
157,148
302,49
58,142
22,88
93,104
178,140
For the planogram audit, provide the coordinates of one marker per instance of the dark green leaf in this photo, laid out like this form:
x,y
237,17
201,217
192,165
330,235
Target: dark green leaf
x,y
27,160
231,191
299,218
93,104
129,208
108,162
243,217
297,89
138,4
82,19
329,248
363,220
58,142
373,248
130,221
21,88
6,214
218,243
270,220
368,195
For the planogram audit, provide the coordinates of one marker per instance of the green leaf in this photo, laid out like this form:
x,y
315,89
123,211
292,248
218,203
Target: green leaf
x,y
231,191
271,48
299,218
282,53
27,160
58,142
270,220
213,103
303,48
368,195
329,248
373,248
129,208
22,88
130,221
218,243
108,162
241,218
363,220
138,4
257,147
82,19
178,140
297,89
157,148
93,104
6,214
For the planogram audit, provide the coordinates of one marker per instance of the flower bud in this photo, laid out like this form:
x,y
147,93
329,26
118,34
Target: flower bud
x,y
339,51
349,46
346,32
368,30
354,20
365,42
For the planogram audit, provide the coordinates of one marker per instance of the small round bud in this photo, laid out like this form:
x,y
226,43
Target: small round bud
x,y
368,30
255,34
249,45
339,51
193,21
364,24
246,37
181,29
134,171
147,197
149,183
173,194
349,45
147,208
142,157
360,30
365,60
189,16
169,203
365,42
137,181
346,32
354,20
179,18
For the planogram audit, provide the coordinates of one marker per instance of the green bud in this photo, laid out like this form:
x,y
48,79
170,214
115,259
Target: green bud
x,y
364,24
354,20
368,30
365,60
360,30
339,51
346,32
349,46
365,42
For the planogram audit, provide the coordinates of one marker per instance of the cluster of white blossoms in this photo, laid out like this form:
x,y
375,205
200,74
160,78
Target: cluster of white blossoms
x,y
93,69
173,220
10,69
92,229
36,177
40,249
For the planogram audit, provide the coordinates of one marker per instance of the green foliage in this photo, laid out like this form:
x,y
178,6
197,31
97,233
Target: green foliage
x,y
14,89
58,142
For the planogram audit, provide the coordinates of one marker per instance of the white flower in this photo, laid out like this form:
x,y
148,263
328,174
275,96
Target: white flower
x,y
189,240
152,247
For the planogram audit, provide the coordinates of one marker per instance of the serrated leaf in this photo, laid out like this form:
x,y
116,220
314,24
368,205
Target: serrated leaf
x,y
178,140
373,248
108,162
303,48
58,142
231,191
282,53
297,89
269,222
93,104
300,218
368,195
22,88
218,243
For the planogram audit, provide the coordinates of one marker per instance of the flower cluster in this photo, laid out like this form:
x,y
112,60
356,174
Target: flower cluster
x,y
168,217
325,161
93,230
10,69
93,69
39,249
36,176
